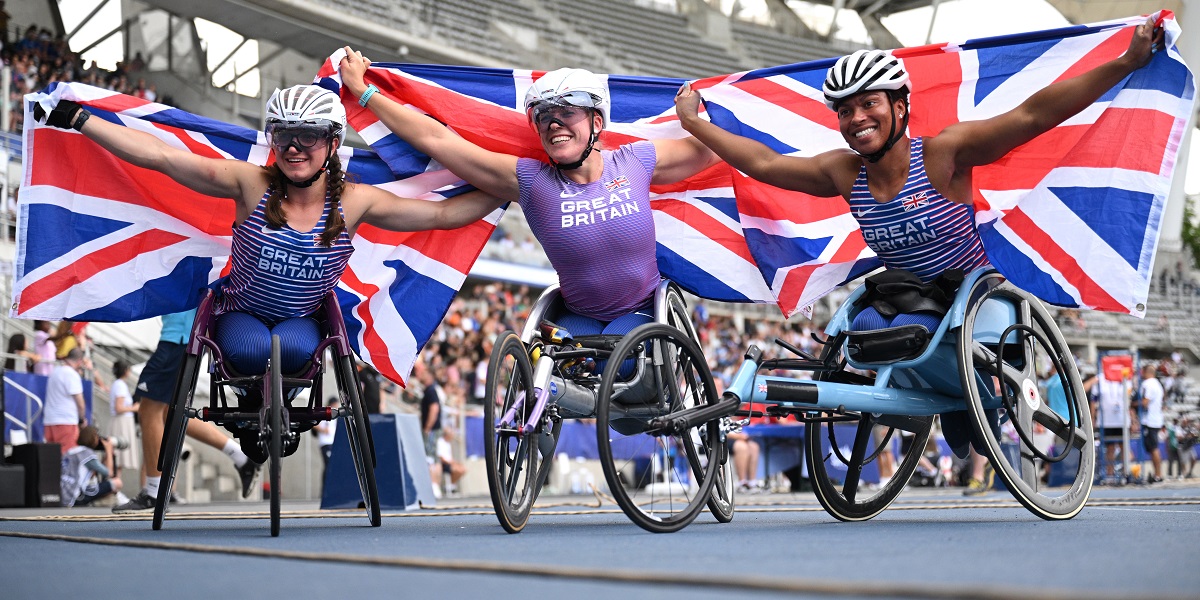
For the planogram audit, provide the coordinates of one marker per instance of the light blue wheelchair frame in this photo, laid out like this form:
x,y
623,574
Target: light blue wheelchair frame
x,y
948,375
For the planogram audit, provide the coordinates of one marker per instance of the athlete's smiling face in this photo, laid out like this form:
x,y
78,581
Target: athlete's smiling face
x,y
865,120
565,131
300,150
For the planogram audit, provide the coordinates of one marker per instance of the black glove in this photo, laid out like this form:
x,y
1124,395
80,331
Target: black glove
x,y
61,117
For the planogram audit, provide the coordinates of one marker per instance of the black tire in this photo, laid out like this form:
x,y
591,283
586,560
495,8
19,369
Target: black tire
x,y
845,496
515,467
274,406
721,503
358,433
673,377
174,430
1034,332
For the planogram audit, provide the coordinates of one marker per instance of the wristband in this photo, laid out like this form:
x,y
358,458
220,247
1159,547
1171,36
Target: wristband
x,y
366,95
80,119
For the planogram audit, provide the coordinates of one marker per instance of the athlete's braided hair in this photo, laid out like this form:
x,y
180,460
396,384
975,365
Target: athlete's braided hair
x,y
335,180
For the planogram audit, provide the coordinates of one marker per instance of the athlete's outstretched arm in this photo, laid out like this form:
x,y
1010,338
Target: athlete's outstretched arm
x,y
975,143
209,176
387,211
802,174
490,171
680,159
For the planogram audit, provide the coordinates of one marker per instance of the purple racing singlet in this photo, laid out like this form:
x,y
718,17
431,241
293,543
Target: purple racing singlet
x,y
919,230
598,236
281,273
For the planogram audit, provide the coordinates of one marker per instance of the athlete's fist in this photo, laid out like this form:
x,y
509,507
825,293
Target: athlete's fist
x,y
61,115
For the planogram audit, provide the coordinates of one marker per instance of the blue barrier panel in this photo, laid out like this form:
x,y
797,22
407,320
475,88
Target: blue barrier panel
x,y
19,406
401,472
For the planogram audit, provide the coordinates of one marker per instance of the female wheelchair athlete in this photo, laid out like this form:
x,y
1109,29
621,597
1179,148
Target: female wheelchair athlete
x,y
660,426
263,417
983,357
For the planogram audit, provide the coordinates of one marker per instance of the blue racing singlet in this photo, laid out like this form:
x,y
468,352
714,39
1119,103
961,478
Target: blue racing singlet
x,y
919,230
281,273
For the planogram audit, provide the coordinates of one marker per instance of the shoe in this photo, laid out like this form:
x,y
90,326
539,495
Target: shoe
x,y
176,499
976,487
141,503
121,498
247,472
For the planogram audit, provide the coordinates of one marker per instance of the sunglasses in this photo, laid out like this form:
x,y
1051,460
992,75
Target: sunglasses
x,y
542,112
282,136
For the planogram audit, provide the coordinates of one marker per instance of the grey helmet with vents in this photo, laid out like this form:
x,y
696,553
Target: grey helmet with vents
x,y
308,104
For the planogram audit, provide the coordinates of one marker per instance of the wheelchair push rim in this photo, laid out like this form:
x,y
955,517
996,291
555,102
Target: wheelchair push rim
x,y
661,479
1033,334
515,467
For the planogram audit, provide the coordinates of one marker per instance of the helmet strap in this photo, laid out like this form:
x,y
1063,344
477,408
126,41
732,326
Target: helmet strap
x,y
594,137
893,136
324,167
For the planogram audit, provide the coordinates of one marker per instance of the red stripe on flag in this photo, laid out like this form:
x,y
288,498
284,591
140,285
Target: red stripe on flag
x,y
371,341
85,268
1122,138
72,162
118,103
486,125
706,225
1090,293
795,282
455,248
783,97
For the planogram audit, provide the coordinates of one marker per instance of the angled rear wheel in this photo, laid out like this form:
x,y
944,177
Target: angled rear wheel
x,y
171,449
1001,384
515,466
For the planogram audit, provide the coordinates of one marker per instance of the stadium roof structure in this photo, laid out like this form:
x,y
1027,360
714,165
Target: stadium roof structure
x,y
315,30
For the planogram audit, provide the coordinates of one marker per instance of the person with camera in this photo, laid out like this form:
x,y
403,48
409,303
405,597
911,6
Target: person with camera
x,y
86,476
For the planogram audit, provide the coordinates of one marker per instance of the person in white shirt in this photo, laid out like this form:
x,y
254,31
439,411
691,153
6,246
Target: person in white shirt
x,y
65,411
122,425
1111,413
1152,394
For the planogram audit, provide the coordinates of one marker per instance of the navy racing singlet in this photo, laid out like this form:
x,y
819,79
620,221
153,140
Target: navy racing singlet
x,y
919,230
281,273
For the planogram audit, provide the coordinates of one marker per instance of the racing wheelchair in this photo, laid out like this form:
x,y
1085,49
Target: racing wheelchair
x,y
983,357
660,426
263,416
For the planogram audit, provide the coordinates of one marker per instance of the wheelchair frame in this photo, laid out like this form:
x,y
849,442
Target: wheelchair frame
x,y
552,387
276,425
905,394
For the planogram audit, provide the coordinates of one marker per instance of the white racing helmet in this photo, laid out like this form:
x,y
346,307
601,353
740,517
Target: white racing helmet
x,y
569,87
309,105
863,71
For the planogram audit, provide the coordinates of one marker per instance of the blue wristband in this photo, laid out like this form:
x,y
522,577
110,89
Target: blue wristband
x,y
366,96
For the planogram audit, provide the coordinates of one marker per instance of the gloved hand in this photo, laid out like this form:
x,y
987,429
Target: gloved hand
x,y
62,115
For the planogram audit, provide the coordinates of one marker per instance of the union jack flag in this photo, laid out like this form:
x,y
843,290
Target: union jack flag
x,y
700,241
620,182
101,240
914,201
1072,217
